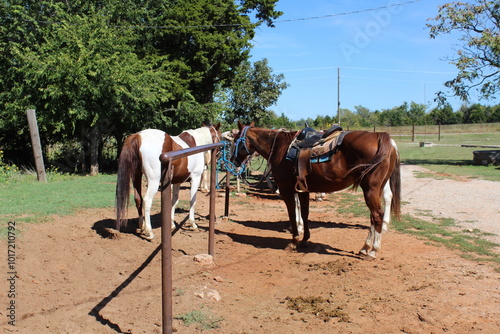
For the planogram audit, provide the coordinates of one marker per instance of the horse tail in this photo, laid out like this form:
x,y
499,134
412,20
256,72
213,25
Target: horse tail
x,y
395,184
128,166
384,149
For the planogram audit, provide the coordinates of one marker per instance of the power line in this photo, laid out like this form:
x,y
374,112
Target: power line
x,y
348,13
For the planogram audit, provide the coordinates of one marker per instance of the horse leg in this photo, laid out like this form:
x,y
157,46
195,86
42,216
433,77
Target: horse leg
x,y
136,181
148,202
205,178
175,200
304,217
298,215
290,203
374,239
195,183
387,193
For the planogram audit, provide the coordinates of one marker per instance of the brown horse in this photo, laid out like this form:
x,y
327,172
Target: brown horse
x,y
369,160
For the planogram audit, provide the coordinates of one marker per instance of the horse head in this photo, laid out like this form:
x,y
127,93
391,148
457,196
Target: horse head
x,y
242,148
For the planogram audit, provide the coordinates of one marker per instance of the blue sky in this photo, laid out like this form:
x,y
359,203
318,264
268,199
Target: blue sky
x,y
385,56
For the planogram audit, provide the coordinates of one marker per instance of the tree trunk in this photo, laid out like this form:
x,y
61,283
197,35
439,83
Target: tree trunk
x,y
94,144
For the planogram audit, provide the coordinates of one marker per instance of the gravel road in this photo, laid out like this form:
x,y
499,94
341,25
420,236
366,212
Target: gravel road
x,y
471,203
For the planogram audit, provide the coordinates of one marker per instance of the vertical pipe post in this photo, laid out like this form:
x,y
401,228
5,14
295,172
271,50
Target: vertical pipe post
x,y
228,185
211,221
166,249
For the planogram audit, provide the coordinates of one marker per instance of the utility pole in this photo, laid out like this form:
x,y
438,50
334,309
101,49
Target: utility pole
x,y
338,95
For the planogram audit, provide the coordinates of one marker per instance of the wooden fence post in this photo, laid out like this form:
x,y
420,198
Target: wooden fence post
x,y
37,146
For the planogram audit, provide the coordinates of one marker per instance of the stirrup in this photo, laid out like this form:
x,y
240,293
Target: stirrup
x,y
301,187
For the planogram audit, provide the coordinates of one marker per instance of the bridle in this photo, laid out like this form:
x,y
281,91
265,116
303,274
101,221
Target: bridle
x,y
239,144
242,141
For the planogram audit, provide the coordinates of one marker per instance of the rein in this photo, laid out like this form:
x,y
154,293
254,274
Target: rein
x,y
272,147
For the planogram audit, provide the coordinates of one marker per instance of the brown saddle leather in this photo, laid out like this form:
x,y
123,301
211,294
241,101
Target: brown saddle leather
x,y
320,151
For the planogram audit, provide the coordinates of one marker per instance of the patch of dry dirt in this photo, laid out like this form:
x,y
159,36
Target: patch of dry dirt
x,y
72,280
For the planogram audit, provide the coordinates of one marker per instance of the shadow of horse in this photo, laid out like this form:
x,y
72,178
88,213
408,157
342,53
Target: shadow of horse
x,y
283,226
106,227
279,243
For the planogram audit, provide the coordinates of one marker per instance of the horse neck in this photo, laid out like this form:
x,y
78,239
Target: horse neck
x,y
265,141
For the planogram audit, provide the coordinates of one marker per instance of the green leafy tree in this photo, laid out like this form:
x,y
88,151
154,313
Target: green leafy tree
x,y
393,117
84,74
495,114
475,113
415,113
478,59
254,89
117,66
348,119
444,114
211,37
365,116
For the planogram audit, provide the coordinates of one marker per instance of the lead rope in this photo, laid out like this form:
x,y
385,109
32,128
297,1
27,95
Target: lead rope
x,y
227,164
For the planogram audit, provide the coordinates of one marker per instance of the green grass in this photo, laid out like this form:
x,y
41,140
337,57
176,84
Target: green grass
x,y
203,319
447,157
26,200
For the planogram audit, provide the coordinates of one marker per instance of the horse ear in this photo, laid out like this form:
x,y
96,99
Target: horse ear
x,y
217,126
252,124
240,125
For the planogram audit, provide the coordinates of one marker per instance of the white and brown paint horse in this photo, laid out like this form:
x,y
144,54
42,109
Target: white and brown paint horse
x,y
369,160
141,155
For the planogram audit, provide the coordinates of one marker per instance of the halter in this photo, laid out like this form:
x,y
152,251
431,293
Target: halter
x,y
228,164
241,141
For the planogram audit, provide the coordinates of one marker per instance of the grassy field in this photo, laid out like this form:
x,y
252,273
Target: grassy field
x,y
447,156
26,200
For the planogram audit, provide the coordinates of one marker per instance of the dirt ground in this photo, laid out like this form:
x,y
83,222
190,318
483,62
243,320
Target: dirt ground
x,y
71,279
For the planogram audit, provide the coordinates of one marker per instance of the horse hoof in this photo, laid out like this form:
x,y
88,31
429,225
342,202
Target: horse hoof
x,y
303,244
368,258
149,237
291,247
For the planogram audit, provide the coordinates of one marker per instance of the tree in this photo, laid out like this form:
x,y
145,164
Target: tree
x,y
478,60
365,116
253,90
415,113
444,114
393,117
84,73
475,113
118,65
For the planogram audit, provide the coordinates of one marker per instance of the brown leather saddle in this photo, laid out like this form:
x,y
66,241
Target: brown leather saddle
x,y
310,146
